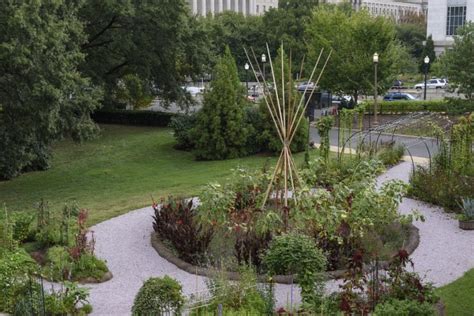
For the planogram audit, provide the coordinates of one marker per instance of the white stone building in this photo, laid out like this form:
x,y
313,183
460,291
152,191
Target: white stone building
x,y
246,7
388,8
444,17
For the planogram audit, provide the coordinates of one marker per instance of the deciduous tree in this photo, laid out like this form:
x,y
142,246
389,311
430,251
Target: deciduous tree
x,y
459,61
42,94
354,37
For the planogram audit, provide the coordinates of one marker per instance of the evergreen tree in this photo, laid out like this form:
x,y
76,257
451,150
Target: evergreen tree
x,y
42,95
221,132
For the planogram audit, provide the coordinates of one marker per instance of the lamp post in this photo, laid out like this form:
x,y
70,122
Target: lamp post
x,y
264,61
247,67
427,61
376,61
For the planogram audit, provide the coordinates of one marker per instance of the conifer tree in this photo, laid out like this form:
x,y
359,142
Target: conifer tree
x,y
221,132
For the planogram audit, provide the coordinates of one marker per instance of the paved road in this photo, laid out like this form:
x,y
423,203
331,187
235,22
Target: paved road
x,y
415,146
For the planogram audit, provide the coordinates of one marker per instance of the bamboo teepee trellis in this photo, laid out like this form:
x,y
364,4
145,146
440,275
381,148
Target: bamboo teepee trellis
x,y
286,116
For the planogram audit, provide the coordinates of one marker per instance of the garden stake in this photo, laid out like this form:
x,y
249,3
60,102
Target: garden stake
x,y
286,115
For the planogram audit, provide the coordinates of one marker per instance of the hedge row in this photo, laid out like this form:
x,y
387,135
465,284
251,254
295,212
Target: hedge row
x,y
453,106
133,117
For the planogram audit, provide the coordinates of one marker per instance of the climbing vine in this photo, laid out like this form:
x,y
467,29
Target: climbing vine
x,y
324,125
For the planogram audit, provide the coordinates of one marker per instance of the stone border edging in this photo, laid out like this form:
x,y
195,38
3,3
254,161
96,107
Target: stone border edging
x,y
164,252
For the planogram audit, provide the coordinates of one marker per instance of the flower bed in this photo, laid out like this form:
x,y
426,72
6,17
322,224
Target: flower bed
x,y
343,212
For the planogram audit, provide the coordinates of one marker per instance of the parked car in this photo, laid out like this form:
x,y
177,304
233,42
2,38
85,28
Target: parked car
x,y
397,84
432,84
194,91
398,96
305,85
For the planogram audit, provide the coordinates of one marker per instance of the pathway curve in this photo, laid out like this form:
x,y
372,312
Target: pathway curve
x,y
444,254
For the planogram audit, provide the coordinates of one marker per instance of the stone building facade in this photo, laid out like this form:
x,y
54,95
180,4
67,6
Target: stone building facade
x,y
445,17
246,7
396,10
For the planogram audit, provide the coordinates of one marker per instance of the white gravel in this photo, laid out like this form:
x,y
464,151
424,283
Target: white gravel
x,y
444,254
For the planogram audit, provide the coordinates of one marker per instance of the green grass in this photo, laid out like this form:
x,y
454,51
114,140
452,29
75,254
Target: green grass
x,y
119,171
459,296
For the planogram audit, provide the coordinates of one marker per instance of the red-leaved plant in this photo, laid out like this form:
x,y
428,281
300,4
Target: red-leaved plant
x,y
82,244
175,221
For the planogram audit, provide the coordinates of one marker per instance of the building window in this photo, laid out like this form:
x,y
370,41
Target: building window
x,y
456,18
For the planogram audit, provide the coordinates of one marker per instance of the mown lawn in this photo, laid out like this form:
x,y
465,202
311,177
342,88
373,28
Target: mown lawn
x,y
459,296
119,171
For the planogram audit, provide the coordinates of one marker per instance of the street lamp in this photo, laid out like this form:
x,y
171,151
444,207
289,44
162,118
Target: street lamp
x,y
427,61
376,61
247,67
264,61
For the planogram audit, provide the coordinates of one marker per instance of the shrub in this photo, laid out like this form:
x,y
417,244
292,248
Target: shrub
x,y
175,221
292,253
88,266
22,227
404,308
72,300
449,106
15,268
441,187
159,296
242,297
390,154
133,117
182,126
59,263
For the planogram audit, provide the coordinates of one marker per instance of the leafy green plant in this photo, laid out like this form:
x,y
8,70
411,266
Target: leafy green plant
x,y
245,296
15,269
59,263
22,226
70,300
158,296
298,254
390,154
88,266
324,125
396,307
7,226
467,207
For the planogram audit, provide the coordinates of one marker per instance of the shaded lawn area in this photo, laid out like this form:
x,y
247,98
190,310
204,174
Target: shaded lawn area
x,y
459,296
119,171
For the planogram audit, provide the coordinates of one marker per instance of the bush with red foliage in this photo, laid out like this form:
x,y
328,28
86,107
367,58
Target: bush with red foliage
x,y
175,221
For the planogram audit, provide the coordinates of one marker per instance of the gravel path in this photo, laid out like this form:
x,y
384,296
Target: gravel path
x,y
444,254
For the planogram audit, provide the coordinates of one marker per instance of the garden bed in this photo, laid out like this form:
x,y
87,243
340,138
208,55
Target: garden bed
x,y
412,242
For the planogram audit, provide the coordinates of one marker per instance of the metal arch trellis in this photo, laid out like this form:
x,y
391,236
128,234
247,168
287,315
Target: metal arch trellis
x,y
286,116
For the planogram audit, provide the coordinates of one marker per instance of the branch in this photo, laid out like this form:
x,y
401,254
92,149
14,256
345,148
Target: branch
x,y
96,36
87,46
111,71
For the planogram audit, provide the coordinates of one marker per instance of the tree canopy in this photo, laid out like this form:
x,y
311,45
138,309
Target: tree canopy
x,y
459,61
354,37
155,40
42,96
